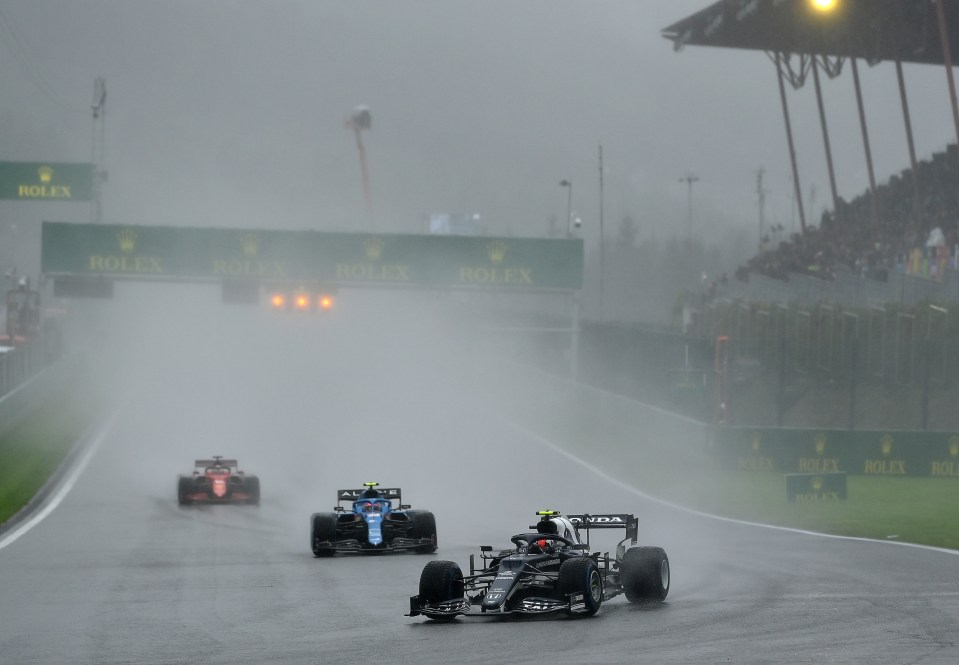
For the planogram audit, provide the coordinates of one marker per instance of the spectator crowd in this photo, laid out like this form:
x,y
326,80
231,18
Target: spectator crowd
x,y
850,238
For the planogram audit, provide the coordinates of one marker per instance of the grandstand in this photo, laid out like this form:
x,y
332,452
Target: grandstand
x,y
851,321
896,242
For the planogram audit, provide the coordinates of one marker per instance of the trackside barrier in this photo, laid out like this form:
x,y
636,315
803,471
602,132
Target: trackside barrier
x,y
816,487
856,452
626,437
17,365
623,437
21,401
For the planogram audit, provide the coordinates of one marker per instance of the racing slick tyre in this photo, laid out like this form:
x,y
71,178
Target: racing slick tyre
x,y
253,489
581,575
441,581
183,488
424,526
322,529
645,574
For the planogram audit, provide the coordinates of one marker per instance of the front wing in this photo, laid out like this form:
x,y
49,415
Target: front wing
x,y
398,544
573,604
205,497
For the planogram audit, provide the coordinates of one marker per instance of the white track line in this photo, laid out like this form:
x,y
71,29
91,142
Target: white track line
x,y
65,486
602,474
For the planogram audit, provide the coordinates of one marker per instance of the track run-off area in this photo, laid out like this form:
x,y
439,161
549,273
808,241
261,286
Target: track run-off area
x,y
112,570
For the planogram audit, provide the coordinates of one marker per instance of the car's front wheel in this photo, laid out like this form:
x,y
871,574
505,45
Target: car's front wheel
x,y
183,488
441,581
581,575
322,530
253,489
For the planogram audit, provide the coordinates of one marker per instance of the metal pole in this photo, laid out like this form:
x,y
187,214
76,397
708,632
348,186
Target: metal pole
x,y
568,184
917,190
93,152
602,237
781,384
853,381
761,192
924,400
825,138
367,194
873,197
99,109
689,179
574,340
792,146
947,59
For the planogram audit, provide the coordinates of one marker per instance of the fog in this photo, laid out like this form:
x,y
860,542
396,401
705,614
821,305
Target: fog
x,y
231,114
403,388
389,387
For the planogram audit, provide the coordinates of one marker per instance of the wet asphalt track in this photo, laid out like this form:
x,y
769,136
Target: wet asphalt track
x,y
118,573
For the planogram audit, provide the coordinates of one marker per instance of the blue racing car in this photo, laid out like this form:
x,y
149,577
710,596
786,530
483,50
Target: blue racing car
x,y
373,525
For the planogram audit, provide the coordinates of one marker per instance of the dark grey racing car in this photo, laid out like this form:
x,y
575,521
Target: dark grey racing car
x,y
548,570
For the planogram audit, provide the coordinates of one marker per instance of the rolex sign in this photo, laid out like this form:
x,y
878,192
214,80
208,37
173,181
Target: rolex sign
x,y
46,181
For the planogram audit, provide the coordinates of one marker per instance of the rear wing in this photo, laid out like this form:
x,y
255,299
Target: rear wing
x,y
215,462
391,493
608,521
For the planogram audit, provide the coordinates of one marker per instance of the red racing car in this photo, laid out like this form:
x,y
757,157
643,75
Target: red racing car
x,y
217,480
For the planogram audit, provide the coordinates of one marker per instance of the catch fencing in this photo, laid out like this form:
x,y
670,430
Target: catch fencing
x,y
29,373
19,364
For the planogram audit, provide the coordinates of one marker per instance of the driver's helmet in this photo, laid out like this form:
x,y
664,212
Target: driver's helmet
x,y
547,525
368,507
544,545
563,526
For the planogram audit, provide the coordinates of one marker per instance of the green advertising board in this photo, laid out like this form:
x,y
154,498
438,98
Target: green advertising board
x,y
46,181
823,451
176,253
816,487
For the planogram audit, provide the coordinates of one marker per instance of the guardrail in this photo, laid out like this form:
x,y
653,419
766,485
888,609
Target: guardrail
x,y
28,374
628,439
18,364
615,432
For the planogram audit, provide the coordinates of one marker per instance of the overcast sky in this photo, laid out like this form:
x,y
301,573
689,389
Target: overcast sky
x,y
231,113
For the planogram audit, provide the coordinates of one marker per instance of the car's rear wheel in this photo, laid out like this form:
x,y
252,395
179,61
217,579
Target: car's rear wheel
x,y
581,575
645,574
183,488
424,526
322,530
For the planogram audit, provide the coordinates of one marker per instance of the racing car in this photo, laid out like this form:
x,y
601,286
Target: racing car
x,y
217,480
372,525
549,570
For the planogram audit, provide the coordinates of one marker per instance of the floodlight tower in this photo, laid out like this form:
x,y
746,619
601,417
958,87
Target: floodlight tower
x,y
99,108
359,120
568,184
824,6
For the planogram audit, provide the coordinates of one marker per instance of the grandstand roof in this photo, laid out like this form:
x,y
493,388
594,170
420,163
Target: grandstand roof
x,y
874,30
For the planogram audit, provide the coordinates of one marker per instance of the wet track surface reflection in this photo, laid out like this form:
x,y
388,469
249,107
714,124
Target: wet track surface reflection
x,y
119,573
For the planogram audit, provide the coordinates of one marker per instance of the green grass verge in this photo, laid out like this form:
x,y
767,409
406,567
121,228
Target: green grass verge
x,y
915,510
32,451
661,462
